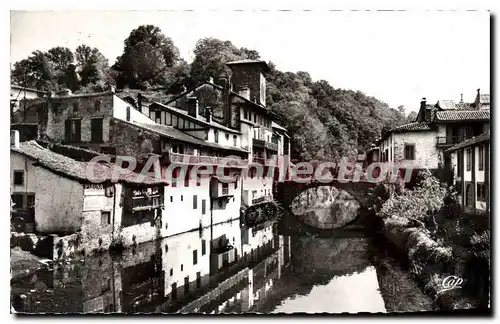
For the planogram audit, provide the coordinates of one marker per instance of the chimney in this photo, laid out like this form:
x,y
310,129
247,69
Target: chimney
x,y
14,138
477,102
423,109
211,80
245,93
139,102
112,89
461,98
208,114
192,106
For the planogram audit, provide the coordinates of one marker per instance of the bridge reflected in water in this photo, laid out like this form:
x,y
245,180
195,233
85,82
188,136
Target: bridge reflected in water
x,y
224,269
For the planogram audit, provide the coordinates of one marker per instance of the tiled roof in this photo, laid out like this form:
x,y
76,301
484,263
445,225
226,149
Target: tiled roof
x,y
277,126
174,133
416,126
247,61
81,171
452,115
485,137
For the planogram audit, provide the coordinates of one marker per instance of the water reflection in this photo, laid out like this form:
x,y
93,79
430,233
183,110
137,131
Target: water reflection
x,y
199,271
227,268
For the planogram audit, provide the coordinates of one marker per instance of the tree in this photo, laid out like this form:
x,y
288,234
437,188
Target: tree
x,y
412,116
211,56
35,71
92,66
148,56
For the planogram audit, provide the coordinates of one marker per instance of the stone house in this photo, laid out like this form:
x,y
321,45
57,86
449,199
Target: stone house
x,y
436,128
470,162
81,202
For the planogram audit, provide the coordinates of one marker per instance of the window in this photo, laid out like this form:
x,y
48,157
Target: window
x,y
158,116
171,272
18,177
198,181
198,279
203,247
109,191
168,119
255,118
235,139
182,267
30,200
186,285
105,218
227,137
186,182
481,191
195,257
174,291
182,197
236,183
409,152
216,135
17,200
171,199
56,107
75,107
206,135
96,130
72,130
97,106
203,207
195,201
460,162
468,162
245,114
468,195
481,157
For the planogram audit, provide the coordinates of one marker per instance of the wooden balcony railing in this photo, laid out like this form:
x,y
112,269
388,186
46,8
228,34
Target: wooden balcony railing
x,y
200,159
261,199
263,161
265,144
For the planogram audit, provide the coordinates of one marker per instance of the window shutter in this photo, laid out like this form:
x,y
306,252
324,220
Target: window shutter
x,y
67,130
78,131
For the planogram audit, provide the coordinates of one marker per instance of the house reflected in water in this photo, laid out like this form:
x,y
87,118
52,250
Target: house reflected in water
x,y
223,268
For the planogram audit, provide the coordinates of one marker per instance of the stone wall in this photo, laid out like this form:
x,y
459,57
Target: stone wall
x,y
426,153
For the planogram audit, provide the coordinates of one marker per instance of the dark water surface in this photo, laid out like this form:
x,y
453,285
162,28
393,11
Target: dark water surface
x,y
227,269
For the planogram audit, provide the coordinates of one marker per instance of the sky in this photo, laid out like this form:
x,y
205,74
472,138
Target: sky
x,y
397,57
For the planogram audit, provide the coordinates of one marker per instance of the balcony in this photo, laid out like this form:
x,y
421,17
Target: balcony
x,y
444,141
147,203
265,144
262,199
263,161
220,189
220,258
204,160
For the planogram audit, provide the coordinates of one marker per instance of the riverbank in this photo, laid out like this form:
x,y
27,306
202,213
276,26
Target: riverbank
x,y
448,256
23,263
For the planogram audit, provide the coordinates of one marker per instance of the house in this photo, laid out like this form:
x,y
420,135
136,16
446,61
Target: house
x,y
470,162
436,128
234,112
82,202
19,95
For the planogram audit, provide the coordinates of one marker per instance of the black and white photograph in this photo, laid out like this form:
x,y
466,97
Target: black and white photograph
x,y
261,162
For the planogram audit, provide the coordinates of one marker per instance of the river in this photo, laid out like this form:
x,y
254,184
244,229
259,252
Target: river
x,y
228,269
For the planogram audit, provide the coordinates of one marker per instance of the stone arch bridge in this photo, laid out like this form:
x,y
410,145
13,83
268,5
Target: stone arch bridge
x,y
287,191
